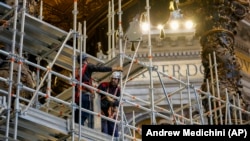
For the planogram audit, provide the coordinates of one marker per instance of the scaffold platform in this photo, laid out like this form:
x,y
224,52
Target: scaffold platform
x,y
53,121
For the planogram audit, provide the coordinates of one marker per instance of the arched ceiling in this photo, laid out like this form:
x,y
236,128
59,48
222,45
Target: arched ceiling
x,y
94,12
60,12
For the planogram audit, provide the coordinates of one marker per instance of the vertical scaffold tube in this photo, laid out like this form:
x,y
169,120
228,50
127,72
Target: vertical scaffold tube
x,y
109,31
74,66
121,65
17,108
11,69
153,121
41,10
113,28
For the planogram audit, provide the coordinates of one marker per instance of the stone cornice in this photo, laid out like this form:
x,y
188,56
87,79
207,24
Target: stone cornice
x,y
158,55
180,52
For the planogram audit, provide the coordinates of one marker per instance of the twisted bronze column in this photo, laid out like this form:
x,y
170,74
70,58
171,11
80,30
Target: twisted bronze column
x,y
218,22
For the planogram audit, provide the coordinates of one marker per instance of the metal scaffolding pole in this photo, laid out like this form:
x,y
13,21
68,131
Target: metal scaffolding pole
x,y
20,63
153,109
75,12
41,10
113,28
11,68
212,87
167,98
48,70
217,87
121,65
151,87
110,51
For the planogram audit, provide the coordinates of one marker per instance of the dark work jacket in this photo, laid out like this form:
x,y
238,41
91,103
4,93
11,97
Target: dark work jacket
x,y
86,77
93,68
105,104
105,86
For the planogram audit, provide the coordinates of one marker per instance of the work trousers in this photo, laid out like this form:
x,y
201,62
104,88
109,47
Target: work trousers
x,y
87,103
108,127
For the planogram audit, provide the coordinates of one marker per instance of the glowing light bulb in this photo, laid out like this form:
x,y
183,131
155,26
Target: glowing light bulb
x,y
174,25
145,26
189,24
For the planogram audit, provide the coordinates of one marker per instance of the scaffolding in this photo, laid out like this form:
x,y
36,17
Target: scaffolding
x,y
54,120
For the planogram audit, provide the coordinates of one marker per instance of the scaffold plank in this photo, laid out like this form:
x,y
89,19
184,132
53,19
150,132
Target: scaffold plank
x,y
39,125
41,39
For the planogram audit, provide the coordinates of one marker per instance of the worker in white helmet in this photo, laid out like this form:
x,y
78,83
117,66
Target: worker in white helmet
x,y
108,104
87,94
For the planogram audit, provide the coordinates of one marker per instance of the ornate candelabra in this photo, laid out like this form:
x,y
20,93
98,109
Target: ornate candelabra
x,y
221,68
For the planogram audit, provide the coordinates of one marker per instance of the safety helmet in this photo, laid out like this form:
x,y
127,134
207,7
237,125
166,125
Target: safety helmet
x,y
116,74
83,57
